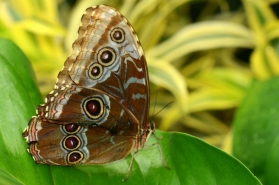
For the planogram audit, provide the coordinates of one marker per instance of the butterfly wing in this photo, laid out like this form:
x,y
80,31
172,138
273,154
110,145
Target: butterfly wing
x,y
73,144
108,57
103,90
111,130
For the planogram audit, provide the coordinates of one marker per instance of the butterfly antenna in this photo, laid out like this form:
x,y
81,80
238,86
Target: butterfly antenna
x,y
153,116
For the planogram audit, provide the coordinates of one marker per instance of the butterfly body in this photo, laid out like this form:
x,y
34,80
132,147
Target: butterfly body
x,y
98,110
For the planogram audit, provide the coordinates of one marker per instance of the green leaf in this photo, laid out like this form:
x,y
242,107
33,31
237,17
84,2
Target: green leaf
x,y
255,141
19,96
192,161
272,163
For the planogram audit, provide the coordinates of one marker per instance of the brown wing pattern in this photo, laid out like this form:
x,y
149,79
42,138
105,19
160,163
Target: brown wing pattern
x,y
73,144
122,75
100,102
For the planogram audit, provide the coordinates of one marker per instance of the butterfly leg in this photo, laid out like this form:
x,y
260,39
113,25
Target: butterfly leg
x,y
130,167
161,153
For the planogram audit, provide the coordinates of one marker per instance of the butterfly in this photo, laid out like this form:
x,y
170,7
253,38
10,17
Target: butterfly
x,y
98,110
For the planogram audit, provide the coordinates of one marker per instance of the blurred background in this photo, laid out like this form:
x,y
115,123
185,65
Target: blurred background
x,y
201,54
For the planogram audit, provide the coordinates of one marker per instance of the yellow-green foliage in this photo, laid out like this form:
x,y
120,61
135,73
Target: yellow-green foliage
x,y
190,63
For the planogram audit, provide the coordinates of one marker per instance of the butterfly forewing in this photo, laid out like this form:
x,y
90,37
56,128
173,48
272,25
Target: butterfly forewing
x,y
114,67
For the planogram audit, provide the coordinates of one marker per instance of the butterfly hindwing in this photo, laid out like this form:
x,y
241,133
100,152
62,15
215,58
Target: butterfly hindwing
x,y
72,144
